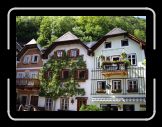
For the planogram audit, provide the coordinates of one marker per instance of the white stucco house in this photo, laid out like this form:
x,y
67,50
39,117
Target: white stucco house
x,y
111,83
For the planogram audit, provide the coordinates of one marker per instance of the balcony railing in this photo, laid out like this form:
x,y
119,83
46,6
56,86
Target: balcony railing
x,y
27,83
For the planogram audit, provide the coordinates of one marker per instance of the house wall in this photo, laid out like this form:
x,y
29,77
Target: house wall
x,y
32,51
87,84
116,48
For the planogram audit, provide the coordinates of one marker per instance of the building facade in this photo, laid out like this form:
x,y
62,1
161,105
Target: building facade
x,y
114,78
29,62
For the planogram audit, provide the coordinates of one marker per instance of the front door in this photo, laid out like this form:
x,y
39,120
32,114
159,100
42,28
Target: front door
x,y
81,101
34,100
23,100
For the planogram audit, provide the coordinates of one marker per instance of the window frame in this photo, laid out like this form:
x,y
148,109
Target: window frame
x,y
77,53
62,74
101,90
25,57
133,90
78,74
131,61
117,86
64,101
47,104
33,57
108,42
61,53
124,41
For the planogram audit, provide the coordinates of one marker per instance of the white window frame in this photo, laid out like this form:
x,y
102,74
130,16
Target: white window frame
x,y
25,60
64,102
48,104
131,58
33,56
99,84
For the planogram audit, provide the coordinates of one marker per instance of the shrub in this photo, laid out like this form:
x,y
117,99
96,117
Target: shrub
x,y
89,108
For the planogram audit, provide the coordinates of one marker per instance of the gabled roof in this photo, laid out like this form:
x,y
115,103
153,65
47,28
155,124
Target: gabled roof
x,y
29,45
116,31
18,46
33,41
67,36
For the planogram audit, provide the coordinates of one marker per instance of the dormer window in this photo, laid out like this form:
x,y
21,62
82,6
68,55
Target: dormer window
x,y
124,42
107,44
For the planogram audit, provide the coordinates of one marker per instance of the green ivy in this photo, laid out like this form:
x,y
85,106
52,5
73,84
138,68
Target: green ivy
x,y
52,87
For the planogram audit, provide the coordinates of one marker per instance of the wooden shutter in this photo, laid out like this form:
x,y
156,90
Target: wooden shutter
x,y
55,54
68,53
86,74
77,52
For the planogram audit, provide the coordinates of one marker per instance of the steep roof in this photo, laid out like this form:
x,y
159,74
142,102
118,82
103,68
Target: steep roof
x,y
67,36
116,31
33,41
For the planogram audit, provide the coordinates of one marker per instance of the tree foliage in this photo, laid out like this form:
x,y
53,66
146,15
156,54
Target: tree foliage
x,y
89,108
47,29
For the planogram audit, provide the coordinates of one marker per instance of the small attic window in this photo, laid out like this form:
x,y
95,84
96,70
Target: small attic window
x,y
124,42
107,44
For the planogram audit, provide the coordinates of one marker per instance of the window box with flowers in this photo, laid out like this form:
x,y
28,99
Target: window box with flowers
x,y
116,91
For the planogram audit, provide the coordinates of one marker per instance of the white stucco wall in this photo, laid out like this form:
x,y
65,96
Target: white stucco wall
x,y
116,48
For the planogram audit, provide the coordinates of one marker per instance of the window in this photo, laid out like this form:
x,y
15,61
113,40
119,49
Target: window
x,y
107,44
27,75
35,59
26,59
132,86
59,53
34,75
20,75
124,42
98,62
132,58
73,52
64,105
82,74
65,74
116,86
101,86
48,105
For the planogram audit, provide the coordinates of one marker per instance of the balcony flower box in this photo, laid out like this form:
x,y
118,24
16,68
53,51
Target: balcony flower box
x,y
101,91
116,91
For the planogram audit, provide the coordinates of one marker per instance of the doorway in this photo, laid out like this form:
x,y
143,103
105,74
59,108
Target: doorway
x,y
81,101
34,100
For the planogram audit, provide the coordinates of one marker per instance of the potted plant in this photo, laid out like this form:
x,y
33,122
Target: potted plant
x,y
123,55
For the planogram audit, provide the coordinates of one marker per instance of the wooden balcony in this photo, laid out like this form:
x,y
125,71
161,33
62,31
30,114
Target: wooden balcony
x,y
27,83
114,68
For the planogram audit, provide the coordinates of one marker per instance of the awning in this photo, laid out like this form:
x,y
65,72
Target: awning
x,y
118,99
